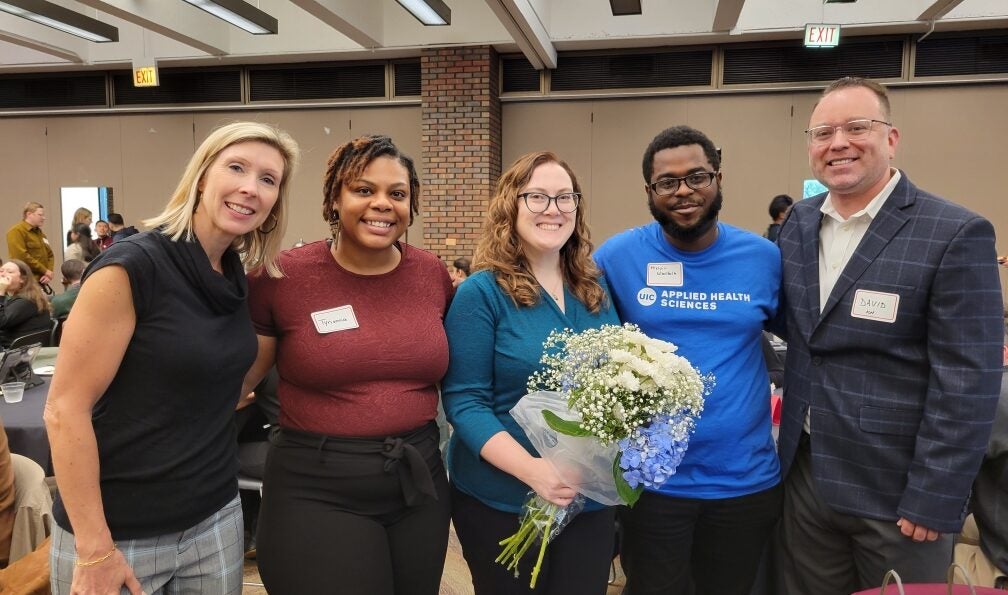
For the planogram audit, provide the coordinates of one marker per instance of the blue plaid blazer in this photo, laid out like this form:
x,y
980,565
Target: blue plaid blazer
x,y
900,411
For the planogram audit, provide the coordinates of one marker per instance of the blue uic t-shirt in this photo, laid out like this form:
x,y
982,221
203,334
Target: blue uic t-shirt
x,y
712,304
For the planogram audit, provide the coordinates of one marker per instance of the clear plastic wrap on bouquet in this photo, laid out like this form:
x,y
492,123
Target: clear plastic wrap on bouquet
x,y
541,521
550,519
583,462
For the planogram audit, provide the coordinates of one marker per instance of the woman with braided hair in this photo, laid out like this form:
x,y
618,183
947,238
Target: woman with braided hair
x,y
355,486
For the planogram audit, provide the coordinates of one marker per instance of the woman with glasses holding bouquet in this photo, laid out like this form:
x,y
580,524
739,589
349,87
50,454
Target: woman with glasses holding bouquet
x,y
535,275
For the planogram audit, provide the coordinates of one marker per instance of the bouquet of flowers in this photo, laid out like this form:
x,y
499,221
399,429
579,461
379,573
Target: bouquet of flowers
x,y
613,410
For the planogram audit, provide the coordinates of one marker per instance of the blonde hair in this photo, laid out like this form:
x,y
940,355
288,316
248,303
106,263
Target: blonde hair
x,y
81,215
30,288
501,251
30,207
258,248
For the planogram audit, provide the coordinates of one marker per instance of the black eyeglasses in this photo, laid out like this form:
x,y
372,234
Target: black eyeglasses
x,y
538,202
696,181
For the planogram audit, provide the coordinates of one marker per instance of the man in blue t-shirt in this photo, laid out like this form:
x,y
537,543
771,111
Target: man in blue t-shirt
x,y
709,288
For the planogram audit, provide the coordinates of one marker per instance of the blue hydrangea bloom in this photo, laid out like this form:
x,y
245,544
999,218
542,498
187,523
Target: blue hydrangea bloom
x,y
651,454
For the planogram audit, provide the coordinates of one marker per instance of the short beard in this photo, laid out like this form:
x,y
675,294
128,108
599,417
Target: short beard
x,y
695,231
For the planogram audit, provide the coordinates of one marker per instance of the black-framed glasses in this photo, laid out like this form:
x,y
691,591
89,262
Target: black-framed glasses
x,y
853,130
697,181
538,202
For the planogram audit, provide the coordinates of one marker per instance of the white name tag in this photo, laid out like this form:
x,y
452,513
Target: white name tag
x,y
875,305
665,274
334,319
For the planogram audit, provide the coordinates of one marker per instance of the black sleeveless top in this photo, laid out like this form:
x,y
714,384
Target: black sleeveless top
x,y
165,431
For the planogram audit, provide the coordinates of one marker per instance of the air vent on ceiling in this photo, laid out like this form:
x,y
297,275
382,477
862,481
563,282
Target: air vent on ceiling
x,y
519,76
182,85
50,90
792,63
633,70
949,55
329,81
407,78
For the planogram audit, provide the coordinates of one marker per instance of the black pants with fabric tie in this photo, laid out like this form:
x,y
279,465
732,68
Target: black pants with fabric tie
x,y
354,515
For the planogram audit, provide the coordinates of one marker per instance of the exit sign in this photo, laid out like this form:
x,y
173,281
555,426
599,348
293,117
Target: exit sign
x,y
822,36
145,76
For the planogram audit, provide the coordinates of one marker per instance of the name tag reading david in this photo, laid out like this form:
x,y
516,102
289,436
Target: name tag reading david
x,y
665,274
875,305
334,319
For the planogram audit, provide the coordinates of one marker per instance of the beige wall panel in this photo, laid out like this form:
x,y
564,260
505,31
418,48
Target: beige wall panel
x,y
155,151
24,170
952,144
798,165
621,131
563,127
754,133
83,151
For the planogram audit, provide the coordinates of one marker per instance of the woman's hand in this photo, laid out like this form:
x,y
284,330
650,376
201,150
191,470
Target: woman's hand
x,y
245,401
105,578
503,452
540,475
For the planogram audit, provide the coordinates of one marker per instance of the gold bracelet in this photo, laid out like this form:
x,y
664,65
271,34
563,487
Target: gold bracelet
x,y
97,561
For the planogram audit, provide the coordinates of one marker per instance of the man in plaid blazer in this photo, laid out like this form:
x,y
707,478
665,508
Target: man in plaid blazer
x,y
892,307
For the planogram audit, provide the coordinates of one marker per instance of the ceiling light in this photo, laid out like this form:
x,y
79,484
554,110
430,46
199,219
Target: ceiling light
x,y
839,1
428,12
57,17
625,7
240,14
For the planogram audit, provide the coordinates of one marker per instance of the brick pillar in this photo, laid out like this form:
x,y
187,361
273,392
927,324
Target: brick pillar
x,y
460,145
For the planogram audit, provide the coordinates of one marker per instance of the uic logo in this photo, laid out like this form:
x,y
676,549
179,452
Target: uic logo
x,y
647,296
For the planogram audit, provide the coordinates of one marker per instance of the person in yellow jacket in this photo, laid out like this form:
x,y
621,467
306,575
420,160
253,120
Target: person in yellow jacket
x,y
27,242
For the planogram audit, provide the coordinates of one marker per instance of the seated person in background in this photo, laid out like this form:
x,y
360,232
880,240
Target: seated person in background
x,y
23,306
81,247
990,501
254,424
779,207
774,363
459,271
72,271
6,498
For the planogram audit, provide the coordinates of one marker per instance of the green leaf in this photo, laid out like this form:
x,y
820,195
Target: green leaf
x,y
564,426
626,493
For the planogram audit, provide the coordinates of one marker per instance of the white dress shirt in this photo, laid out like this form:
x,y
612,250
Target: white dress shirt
x,y
839,238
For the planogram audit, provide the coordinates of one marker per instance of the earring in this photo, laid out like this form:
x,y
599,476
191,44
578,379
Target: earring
x,y
276,221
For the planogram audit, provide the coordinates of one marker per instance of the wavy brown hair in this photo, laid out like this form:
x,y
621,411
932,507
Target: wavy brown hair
x,y
30,288
500,249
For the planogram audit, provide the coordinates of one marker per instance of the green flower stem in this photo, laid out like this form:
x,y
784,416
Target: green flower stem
x,y
535,526
542,552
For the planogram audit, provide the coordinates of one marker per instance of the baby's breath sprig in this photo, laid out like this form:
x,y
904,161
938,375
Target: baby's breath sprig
x,y
618,379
